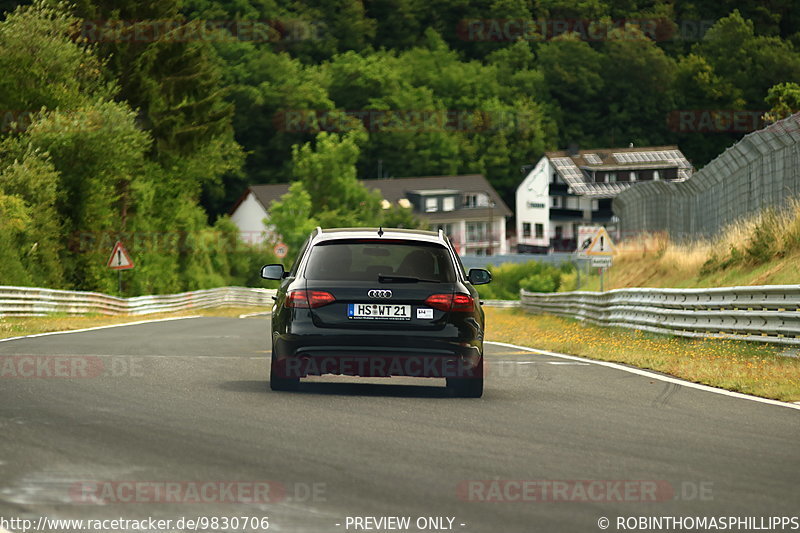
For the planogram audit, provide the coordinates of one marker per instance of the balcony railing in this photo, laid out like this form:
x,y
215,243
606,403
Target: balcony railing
x,y
558,189
563,245
557,213
604,215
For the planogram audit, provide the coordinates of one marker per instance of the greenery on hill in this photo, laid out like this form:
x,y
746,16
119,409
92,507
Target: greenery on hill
x,y
145,121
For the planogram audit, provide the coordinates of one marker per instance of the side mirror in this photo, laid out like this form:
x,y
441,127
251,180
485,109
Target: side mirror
x,y
272,272
479,276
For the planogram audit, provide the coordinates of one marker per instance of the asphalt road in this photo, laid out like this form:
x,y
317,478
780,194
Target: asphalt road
x,y
186,402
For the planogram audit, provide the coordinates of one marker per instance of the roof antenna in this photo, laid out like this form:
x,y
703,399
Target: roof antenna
x,y
380,231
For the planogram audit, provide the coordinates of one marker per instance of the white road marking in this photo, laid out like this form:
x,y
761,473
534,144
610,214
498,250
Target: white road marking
x,y
261,313
652,375
98,327
133,356
569,363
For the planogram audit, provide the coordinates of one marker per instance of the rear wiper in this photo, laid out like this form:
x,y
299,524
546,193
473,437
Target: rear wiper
x,y
391,278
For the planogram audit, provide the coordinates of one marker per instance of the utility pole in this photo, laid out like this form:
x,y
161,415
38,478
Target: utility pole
x,y
491,223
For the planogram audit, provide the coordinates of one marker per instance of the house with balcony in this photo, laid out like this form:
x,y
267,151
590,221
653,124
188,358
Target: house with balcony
x,y
572,188
467,208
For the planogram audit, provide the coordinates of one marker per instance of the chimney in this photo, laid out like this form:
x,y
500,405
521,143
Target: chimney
x,y
573,150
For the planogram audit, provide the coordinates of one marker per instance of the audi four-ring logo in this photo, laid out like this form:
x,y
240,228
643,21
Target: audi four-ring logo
x,y
379,293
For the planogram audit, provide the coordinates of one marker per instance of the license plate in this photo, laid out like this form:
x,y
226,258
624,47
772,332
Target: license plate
x,y
379,311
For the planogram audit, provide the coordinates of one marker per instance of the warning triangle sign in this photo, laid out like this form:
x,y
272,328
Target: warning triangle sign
x,y
601,244
119,260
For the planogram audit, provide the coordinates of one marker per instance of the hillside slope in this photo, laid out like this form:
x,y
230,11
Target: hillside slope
x,y
763,250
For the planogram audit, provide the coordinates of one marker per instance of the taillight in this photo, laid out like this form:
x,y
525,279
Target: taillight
x,y
463,302
451,302
304,299
442,302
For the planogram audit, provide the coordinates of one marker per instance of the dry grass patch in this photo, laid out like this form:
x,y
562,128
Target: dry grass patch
x,y
751,368
20,326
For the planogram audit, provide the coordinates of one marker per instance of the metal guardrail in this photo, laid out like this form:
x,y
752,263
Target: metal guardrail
x,y
766,313
500,303
31,301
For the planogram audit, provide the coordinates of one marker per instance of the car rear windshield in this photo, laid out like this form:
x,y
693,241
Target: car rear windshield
x,y
360,260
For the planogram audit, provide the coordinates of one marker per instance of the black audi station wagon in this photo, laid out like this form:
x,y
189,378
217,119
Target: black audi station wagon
x,y
378,303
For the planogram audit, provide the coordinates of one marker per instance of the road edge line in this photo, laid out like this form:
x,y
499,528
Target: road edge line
x,y
260,313
654,375
47,333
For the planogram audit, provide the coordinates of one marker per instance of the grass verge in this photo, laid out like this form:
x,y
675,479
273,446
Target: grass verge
x,y
747,367
20,326
763,249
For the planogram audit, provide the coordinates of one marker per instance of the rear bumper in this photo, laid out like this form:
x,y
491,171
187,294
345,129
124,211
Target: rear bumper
x,y
343,353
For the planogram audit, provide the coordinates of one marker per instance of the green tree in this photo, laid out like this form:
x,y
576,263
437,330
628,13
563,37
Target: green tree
x,y
169,71
291,219
638,80
752,63
572,72
327,170
50,70
30,231
783,100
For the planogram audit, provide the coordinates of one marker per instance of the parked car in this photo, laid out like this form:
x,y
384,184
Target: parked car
x,y
375,302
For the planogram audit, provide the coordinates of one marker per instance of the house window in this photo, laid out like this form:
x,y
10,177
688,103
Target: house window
x,y
526,229
470,200
476,231
431,204
539,231
559,232
612,177
449,203
555,177
556,201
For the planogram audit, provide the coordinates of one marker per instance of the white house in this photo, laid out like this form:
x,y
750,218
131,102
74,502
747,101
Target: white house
x,y
567,189
467,208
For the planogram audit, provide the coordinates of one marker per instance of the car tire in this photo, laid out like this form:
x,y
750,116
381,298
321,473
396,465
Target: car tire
x,y
278,383
466,387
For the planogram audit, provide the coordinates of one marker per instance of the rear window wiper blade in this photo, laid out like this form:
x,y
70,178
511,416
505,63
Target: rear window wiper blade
x,y
391,278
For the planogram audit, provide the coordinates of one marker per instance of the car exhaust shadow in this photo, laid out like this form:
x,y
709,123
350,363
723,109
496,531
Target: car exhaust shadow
x,y
373,389
342,389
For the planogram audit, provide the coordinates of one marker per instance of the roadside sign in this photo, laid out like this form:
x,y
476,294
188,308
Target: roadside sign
x,y
601,244
119,260
603,261
585,237
280,250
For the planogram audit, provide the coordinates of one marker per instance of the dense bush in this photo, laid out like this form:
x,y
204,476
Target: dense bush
x,y
509,278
